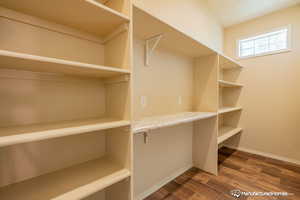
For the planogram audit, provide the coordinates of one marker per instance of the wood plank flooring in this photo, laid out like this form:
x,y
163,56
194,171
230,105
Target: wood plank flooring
x,y
237,171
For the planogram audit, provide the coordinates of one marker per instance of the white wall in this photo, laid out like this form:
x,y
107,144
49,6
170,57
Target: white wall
x,y
192,17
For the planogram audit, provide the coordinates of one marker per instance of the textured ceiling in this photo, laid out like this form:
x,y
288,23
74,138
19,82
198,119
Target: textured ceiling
x,y
232,12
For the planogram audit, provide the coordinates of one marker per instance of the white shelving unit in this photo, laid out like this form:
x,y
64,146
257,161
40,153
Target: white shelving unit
x,y
229,92
66,97
65,93
156,122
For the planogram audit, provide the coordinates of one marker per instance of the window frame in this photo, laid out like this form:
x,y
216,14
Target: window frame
x,y
288,49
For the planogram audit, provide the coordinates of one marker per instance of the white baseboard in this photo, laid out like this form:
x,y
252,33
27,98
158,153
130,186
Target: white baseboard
x,y
163,182
269,155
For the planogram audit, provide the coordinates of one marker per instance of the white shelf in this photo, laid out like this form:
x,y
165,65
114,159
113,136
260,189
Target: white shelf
x,y
152,123
228,63
229,109
27,62
147,26
86,15
229,84
72,183
227,132
23,134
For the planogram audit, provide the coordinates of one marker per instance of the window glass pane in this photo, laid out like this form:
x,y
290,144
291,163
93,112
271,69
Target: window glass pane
x,y
278,41
247,44
261,45
247,52
265,43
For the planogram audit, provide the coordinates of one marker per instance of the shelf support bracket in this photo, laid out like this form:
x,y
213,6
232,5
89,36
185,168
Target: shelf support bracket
x,y
150,48
146,137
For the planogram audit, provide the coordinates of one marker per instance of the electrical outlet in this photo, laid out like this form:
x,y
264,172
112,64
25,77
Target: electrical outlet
x,y
143,101
179,100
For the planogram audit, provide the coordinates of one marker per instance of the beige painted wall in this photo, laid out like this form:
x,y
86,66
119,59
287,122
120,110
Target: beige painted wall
x,y
271,96
169,150
192,17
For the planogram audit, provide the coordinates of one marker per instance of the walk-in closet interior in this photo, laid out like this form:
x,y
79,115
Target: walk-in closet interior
x,y
114,99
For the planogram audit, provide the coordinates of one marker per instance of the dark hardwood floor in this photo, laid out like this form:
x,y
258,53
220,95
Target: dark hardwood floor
x,y
237,171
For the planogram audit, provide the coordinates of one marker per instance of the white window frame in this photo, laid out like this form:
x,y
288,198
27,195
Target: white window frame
x,y
288,49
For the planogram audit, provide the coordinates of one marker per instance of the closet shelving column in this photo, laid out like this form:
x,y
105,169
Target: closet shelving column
x,y
229,92
176,99
66,103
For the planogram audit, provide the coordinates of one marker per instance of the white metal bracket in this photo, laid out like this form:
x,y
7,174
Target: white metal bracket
x,y
151,44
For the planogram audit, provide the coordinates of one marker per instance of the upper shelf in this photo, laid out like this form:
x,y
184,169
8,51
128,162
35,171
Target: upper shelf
x,y
72,183
146,26
156,122
21,61
229,109
229,84
30,133
85,15
228,63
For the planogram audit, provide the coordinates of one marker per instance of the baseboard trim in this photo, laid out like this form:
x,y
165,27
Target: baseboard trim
x,y
163,182
269,155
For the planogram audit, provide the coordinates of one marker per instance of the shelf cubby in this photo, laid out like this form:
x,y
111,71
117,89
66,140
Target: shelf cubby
x,y
64,50
101,19
76,182
226,132
229,126
227,63
53,106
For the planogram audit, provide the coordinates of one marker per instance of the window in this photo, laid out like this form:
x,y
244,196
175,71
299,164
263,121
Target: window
x,y
264,44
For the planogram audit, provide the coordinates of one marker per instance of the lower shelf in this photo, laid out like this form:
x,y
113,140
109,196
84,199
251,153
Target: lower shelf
x,y
152,123
23,134
68,184
227,132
